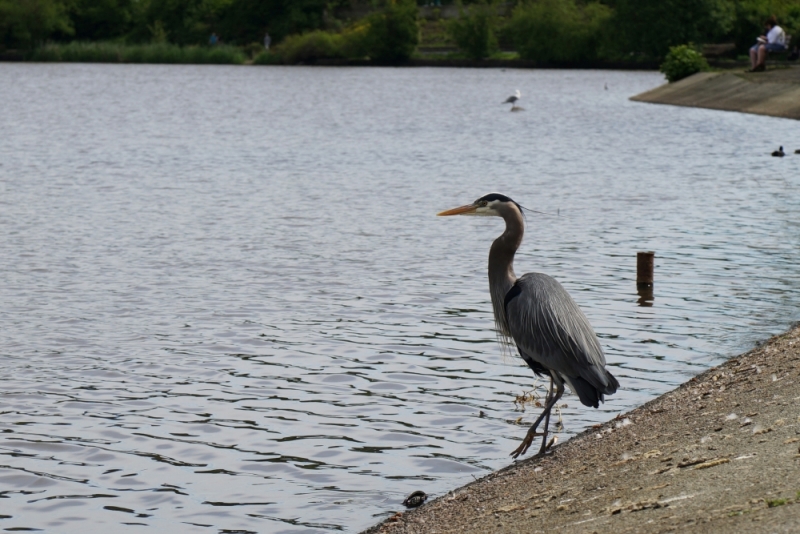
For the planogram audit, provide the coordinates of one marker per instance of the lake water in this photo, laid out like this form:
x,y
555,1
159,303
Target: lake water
x,y
228,306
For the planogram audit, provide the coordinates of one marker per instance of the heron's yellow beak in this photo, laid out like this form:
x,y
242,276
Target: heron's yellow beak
x,y
461,210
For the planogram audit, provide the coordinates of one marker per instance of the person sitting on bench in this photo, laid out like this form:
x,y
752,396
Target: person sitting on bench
x,y
773,41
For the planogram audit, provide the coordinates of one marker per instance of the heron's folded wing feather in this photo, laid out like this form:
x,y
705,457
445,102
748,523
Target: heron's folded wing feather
x,y
548,325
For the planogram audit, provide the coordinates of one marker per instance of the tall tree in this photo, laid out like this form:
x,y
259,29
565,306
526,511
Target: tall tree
x,y
652,26
245,21
186,21
393,33
560,30
27,23
95,20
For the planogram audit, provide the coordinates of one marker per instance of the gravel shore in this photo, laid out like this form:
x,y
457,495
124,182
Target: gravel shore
x,y
721,453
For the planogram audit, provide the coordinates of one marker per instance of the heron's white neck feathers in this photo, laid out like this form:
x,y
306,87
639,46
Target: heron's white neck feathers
x,y
501,266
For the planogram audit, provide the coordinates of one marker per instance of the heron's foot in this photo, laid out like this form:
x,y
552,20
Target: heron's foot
x,y
526,443
546,445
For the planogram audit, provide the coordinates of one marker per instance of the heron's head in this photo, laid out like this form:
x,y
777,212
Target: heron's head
x,y
493,204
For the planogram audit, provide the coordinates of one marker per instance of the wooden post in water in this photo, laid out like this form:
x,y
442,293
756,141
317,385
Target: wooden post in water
x,y
644,277
644,269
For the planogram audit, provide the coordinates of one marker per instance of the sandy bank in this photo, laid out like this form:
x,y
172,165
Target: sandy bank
x,y
719,454
775,92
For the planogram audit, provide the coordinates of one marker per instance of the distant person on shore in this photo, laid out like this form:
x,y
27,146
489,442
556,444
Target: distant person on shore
x,y
213,40
267,40
774,40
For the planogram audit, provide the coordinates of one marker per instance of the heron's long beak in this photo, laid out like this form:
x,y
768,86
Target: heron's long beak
x,y
461,210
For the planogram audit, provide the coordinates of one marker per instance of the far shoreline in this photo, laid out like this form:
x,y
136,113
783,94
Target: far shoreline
x,y
19,57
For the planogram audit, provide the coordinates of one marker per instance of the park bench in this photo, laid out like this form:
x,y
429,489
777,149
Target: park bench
x,y
715,51
788,53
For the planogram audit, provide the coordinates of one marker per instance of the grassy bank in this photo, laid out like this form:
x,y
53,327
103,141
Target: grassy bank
x,y
105,52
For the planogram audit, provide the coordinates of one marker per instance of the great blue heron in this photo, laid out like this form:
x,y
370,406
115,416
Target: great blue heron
x,y
536,313
513,98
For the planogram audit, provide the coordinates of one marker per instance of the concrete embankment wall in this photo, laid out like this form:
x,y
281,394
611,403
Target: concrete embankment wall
x,y
775,93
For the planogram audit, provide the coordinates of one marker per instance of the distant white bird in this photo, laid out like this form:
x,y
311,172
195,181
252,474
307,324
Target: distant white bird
x,y
513,98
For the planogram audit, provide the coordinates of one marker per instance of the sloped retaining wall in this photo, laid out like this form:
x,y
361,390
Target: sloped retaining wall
x,y
775,93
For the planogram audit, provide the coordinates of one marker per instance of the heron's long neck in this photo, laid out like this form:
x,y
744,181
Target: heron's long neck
x,y
501,265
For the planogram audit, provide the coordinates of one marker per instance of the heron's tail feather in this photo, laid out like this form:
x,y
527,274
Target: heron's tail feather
x,y
612,384
591,395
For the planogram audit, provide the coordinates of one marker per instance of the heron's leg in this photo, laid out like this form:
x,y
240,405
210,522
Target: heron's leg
x,y
546,422
526,443
554,398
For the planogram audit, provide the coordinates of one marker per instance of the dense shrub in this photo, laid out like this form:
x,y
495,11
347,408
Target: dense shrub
x,y
267,57
474,30
355,40
682,61
310,47
213,55
393,33
253,49
560,30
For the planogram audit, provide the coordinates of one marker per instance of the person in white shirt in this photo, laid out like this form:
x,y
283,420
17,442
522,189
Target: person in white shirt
x,y
774,40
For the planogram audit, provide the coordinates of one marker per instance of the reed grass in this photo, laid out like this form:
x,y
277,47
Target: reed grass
x,y
267,57
106,52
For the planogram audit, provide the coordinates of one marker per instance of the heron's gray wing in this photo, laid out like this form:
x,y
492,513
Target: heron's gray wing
x,y
549,328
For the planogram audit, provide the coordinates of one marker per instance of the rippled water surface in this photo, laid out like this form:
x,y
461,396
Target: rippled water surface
x,y
227,304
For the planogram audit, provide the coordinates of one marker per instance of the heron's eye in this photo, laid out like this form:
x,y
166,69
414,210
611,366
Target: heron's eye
x,y
483,203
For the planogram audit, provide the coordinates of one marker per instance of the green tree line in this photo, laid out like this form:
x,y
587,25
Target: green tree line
x,y
28,23
586,30
545,30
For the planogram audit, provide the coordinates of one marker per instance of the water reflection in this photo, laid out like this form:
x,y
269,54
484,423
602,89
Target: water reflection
x,y
227,308
645,292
